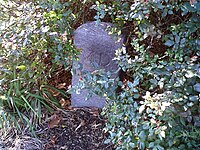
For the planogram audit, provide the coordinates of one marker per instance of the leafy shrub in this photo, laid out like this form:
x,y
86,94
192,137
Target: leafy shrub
x,y
29,32
158,106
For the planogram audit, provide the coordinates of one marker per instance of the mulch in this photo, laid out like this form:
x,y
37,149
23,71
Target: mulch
x,y
78,129
73,129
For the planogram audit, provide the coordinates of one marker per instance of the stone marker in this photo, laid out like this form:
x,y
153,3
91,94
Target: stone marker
x,y
98,47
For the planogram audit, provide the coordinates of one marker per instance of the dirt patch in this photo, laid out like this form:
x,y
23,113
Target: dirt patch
x,y
78,129
74,129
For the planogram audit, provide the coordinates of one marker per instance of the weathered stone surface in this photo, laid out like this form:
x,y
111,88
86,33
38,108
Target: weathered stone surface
x,y
98,47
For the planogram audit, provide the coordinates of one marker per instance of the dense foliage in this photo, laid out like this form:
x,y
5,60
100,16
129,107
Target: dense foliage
x,y
158,106
31,34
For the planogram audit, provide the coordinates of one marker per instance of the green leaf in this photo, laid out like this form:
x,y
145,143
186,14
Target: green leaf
x,y
135,104
45,29
142,136
151,145
136,82
141,145
107,141
136,96
146,126
162,133
170,12
197,6
157,131
26,101
170,143
21,67
153,81
197,87
183,41
177,39
194,98
182,120
141,109
59,47
132,145
189,74
154,148
189,7
164,14
160,147
160,6
169,43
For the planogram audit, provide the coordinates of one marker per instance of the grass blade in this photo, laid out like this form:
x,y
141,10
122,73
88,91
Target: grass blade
x,y
28,104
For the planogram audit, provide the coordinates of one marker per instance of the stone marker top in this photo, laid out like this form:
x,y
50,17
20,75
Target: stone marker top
x,y
97,45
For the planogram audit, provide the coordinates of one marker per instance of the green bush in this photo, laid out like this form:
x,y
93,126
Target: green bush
x,y
158,107
29,32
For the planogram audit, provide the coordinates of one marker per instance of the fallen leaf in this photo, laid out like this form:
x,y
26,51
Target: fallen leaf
x,y
61,86
53,140
95,113
54,92
55,120
64,103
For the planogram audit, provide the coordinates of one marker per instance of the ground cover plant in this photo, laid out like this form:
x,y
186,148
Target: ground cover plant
x,y
27,39
158,103
158,107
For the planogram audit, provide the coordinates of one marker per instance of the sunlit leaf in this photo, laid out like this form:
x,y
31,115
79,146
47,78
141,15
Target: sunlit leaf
x,y
169,43
141,109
